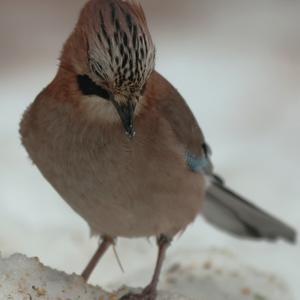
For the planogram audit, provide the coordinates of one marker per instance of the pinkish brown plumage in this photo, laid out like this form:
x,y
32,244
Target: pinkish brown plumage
x,y
143,185
74,132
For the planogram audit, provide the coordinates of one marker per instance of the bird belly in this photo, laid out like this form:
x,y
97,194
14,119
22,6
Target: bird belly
x,y
121,187
125,202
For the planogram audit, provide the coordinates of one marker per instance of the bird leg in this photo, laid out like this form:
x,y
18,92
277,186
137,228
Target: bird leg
x,y
106,243
149,293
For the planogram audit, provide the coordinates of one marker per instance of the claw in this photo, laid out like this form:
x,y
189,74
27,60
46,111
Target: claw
x,y
145,295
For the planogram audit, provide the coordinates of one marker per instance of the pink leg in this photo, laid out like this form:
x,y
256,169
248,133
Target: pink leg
x,y
106,243
149,293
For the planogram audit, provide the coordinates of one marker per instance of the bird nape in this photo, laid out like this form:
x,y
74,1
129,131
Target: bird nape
x,y
121,146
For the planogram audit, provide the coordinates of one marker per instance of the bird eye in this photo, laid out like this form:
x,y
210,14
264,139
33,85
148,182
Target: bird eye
x,y
89,88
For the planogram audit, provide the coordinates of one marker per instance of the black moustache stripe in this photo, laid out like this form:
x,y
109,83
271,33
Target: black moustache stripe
x,y
89,88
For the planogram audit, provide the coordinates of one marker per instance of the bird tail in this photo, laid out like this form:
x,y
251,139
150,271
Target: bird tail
x,y
229,212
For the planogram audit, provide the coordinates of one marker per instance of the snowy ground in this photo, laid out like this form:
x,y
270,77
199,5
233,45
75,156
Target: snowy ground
x,y
28,279
212,275
238,65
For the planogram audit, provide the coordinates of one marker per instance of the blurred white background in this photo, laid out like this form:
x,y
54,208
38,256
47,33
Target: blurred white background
x,y
236,62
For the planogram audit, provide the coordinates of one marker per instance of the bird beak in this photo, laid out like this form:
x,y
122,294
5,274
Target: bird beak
x,y
126,113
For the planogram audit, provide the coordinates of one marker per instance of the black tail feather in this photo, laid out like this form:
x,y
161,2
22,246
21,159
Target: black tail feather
x,y
232,213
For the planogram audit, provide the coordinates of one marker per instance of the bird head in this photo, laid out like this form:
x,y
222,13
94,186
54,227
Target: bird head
x,y
112,55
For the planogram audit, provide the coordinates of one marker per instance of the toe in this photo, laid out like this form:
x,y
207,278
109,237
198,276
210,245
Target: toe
x,y
142,296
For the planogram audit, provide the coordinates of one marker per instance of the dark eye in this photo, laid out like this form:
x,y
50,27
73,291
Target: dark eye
x,y
89,88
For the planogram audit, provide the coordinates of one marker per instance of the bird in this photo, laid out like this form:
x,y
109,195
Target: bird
x,y
121,146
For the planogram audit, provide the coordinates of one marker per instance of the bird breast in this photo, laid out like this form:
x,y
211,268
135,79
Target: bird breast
x,y
121,187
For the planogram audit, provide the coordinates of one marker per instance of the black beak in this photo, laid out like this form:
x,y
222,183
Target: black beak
x,y
126,113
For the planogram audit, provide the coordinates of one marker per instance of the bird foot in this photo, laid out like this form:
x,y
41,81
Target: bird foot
x,y
147,294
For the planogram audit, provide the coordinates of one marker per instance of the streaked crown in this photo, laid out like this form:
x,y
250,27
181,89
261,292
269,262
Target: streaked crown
x,y
120,49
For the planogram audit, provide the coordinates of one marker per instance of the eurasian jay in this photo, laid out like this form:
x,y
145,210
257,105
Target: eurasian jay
x,y
121,146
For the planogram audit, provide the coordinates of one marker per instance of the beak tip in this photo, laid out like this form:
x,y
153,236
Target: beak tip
x,y
131,133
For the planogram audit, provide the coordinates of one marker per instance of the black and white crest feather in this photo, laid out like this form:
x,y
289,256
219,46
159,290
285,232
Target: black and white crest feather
x,y
122,52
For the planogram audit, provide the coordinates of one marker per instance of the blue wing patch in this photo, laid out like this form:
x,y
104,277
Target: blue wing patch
x,y
200,164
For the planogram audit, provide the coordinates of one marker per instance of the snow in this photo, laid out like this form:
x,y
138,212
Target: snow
x,y
22,278
216,274
238,65
212,275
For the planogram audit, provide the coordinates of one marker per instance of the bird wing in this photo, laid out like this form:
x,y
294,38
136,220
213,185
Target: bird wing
x,y
223,208
174,109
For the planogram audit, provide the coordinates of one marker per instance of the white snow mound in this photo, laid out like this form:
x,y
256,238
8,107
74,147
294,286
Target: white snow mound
x,y
202,275
22,278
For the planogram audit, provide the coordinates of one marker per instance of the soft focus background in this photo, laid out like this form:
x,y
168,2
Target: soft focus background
x,y
236,62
